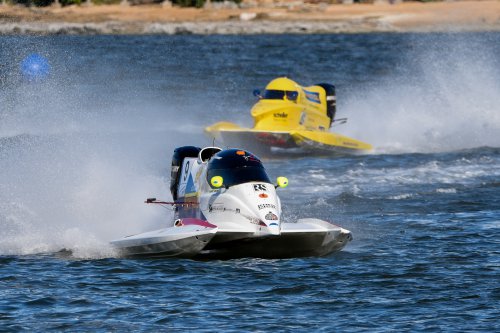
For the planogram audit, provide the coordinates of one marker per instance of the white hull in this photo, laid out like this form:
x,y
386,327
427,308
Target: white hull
x,y
307,237
185,241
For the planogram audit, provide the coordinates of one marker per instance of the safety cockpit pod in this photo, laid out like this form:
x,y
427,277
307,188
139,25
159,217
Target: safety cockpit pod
x,y
281,89
236,166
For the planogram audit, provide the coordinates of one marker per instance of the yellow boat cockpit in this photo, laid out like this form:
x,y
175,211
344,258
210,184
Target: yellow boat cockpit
x,y
286,105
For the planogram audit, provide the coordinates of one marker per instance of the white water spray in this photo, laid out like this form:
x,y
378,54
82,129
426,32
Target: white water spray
x,y
447,99
74,175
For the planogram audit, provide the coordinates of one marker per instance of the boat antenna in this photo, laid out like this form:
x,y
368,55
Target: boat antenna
x,y
171,203
339,121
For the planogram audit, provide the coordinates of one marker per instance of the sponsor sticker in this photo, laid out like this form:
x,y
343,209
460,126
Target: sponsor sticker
x,y
218,208
303,116
186,170
259,187
215,208
280,115
271,216
264,206
312,96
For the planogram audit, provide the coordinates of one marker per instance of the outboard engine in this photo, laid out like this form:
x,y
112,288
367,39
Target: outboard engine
x,y
179,155
331,100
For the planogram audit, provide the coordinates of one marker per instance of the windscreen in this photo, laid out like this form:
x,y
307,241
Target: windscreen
x,y
236,167
279,94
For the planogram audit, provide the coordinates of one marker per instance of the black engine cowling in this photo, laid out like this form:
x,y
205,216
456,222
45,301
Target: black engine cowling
x,y
177,158
331,100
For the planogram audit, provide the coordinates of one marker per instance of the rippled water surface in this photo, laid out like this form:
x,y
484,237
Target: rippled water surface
x,y
81,150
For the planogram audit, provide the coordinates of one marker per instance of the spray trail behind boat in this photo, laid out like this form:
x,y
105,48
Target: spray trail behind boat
x,y
446,97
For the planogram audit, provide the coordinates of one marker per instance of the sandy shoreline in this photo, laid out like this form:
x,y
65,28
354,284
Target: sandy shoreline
x,y
478,15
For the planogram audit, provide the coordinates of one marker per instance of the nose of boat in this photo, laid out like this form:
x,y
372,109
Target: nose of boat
x,y
274,228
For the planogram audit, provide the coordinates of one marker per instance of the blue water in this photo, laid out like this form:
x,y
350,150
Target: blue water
x,y
82,149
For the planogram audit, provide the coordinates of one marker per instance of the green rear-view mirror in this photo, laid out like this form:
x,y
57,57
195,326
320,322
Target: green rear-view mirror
x,y
281,182
216,181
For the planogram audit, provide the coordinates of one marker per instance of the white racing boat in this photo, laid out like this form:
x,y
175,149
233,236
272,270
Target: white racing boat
x,y
227,207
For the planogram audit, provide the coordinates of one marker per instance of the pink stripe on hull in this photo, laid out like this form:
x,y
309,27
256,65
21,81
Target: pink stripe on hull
x,y
193,221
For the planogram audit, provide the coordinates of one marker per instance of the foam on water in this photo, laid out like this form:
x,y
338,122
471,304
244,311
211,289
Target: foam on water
x,y
61,194
74,177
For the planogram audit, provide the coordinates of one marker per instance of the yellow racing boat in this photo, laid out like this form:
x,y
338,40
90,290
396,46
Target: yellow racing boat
x,y
288,116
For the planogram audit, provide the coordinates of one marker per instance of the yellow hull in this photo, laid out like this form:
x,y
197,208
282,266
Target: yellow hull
x,y
262,141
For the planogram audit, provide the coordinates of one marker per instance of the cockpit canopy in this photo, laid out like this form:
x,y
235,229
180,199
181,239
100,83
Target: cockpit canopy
x,y
236,166
281,88
280,94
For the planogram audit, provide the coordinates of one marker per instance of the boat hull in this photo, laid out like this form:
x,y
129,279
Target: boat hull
x,y
184,241
300,141
306,238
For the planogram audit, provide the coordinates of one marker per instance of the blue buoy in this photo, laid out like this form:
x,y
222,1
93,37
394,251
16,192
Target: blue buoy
x,y
35,68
